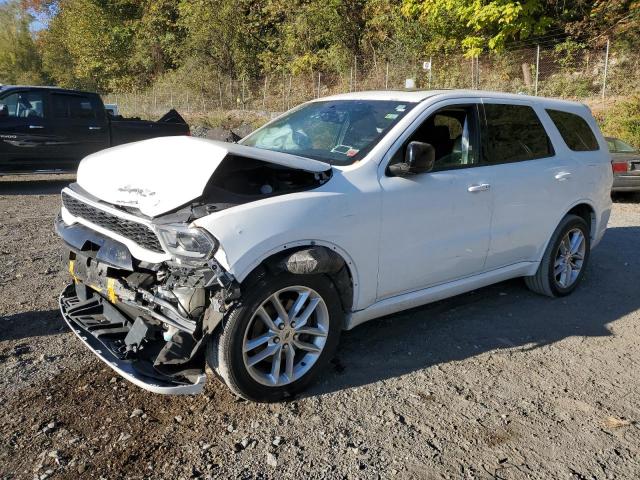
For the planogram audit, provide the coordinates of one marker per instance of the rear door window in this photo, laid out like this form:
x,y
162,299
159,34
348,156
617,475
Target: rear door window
x,y
513,133
575,131
78,107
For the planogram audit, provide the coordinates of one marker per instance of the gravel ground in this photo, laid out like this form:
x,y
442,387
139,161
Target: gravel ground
x,y
497,384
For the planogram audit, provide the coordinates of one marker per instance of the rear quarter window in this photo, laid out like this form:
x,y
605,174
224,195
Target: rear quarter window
x,y
575,131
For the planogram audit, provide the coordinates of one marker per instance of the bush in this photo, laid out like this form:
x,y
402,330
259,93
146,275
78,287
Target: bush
x,y
622,120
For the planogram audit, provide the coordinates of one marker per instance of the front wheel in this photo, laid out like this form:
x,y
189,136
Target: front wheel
x,y
279,336
565,259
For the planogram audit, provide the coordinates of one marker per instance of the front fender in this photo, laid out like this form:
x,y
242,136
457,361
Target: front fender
x,y
251,233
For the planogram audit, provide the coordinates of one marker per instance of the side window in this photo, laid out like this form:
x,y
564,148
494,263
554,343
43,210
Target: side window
x,y
513,133
575,131
23,105
452,132
611,145
72,106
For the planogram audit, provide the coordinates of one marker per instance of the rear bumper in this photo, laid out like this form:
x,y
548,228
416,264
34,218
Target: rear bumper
x,y
90,319
626,183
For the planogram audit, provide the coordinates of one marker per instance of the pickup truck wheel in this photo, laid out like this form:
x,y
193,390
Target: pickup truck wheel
x,y
564,261
279,336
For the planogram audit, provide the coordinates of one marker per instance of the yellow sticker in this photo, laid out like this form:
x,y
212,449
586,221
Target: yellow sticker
x,y
111,292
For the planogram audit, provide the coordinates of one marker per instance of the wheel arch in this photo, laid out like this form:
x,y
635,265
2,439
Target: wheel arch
x,y
583,209
345,280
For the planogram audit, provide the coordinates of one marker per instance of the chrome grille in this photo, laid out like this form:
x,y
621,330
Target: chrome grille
x,y
136,232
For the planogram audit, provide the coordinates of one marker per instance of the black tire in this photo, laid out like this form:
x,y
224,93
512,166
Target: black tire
x,y
544,282
224,349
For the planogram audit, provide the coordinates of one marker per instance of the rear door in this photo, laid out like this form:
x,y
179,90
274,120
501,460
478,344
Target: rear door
x,y
79,126
532,182
24,133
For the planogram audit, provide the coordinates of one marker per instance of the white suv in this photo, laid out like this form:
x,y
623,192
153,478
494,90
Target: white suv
x,y
252,257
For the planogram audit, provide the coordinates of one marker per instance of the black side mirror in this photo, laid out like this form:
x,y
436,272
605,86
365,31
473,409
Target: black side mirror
x,y
419,157
4,110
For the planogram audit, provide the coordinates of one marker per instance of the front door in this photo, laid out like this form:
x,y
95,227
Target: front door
x,y
436,225
24,133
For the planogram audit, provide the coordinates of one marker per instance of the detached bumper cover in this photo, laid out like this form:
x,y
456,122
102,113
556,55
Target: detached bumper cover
x,y
90,320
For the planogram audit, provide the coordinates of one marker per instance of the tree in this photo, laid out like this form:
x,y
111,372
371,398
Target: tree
x,y
481,24
87,44
19,59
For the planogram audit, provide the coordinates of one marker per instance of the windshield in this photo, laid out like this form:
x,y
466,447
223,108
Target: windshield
x,y
337,132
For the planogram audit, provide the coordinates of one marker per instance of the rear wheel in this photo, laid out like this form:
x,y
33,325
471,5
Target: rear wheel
x,y
564,261
279,337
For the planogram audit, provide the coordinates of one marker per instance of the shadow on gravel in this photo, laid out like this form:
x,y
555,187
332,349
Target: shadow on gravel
x,y
626,197
31,324
34,187
502,316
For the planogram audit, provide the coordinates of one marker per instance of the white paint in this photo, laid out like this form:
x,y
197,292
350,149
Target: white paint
x,y
407,241
161,174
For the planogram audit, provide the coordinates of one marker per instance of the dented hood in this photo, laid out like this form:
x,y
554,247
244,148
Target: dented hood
x,y
162,174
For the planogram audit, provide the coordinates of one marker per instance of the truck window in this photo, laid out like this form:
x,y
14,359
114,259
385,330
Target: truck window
x,y
513,133
23,105
72,106
575,131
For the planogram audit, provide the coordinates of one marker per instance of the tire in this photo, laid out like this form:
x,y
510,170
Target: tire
x,y
545,281
227,353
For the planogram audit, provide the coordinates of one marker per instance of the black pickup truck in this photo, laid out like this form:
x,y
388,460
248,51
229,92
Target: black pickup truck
x,y
51,129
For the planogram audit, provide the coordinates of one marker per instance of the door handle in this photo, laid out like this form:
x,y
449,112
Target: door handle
x,y
562,176
479,187
95,128
35,127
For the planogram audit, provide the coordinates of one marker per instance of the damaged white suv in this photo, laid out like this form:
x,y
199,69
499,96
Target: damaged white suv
x,y
252,257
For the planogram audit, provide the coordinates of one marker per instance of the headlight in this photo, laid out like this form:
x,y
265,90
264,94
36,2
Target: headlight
x,y
188,244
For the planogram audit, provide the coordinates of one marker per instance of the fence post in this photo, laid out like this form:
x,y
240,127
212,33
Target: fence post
x,y
386,78
537,70
606,66
264,91
355,72
473,84
430,70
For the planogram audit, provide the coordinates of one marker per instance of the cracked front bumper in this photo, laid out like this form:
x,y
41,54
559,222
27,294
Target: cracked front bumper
x,y
95,321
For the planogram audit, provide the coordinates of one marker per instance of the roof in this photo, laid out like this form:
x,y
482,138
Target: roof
x,y
44,87
415,96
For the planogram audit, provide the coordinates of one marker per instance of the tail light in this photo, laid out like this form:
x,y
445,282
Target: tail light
x,y
620,167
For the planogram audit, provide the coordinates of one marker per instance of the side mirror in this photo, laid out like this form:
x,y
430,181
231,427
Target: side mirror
x,y
419,158
4,110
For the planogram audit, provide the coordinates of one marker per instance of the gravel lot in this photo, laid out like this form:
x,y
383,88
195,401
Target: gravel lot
x,y
498,383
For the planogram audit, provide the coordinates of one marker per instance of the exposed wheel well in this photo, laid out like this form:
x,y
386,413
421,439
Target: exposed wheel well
x,y
587,213
323,261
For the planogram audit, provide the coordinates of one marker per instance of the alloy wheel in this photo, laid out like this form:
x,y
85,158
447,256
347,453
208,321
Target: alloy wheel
x,y
285,336
569,258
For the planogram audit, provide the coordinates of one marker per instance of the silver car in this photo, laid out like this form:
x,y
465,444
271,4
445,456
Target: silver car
x,y
626,166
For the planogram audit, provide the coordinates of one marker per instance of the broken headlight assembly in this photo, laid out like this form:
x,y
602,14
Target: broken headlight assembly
x,y
191,245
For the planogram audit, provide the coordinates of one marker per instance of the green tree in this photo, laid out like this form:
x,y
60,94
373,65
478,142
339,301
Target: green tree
x,y
481,24
19,58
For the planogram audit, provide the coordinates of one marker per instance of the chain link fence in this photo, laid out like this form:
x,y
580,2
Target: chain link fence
x,y
563,71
